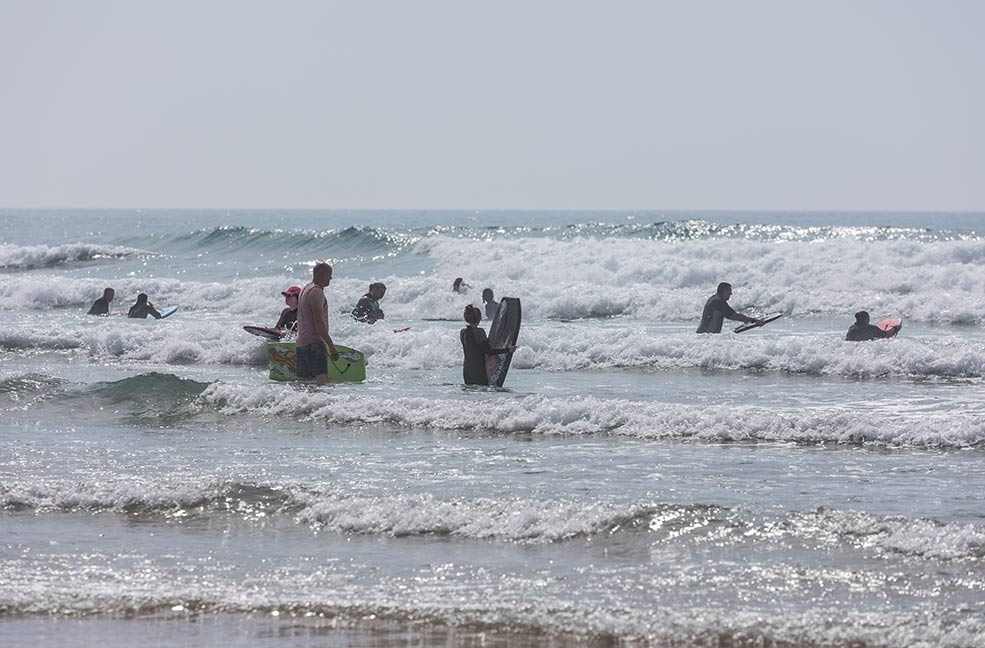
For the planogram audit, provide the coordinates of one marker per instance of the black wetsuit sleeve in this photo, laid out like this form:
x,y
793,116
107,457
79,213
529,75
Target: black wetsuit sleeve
x,y
483,342
877,333
362,309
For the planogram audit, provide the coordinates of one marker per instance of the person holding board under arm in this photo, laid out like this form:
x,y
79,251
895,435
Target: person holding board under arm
x,y
475,344
717,310
312,357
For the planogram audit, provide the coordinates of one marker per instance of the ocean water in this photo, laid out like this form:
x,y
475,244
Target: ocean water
x,y
635,483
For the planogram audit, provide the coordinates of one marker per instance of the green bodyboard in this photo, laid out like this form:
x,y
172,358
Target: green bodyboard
x,y
282,358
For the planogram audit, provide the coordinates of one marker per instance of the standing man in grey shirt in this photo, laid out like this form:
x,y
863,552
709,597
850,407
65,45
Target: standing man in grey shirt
x,y
312,357
717,310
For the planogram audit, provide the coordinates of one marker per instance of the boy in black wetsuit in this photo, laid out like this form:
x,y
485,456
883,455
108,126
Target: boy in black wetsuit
x,y
475,344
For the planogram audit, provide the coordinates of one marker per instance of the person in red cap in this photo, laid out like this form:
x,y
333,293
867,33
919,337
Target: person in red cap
x,y
288,321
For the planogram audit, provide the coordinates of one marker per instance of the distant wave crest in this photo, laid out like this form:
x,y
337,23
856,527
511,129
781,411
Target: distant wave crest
x,y
30,257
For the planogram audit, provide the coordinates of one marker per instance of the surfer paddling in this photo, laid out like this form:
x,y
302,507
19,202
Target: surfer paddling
x,y
475,344
717,310
862,331
368,307
312,357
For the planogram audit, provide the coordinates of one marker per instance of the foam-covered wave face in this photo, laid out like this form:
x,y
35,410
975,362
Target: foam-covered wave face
x,y
217,338
660,272
546,348
670,280
30,257
590,415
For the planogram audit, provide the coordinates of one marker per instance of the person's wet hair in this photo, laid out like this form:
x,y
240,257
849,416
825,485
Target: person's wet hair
x,y
142,298
722,287
487,294
862,317
472,314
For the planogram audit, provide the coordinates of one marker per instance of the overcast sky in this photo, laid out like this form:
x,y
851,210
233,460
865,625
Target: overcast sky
x,y
533,104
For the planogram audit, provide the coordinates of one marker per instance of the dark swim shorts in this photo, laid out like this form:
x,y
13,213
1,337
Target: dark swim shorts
x,y
312,360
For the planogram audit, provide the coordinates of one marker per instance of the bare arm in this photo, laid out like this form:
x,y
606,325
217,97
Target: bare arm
x,y
321,323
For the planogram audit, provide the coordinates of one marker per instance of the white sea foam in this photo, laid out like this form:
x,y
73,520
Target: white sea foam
x,y
917,537
591,415
582,277
28,257
511,519
213,338
342,510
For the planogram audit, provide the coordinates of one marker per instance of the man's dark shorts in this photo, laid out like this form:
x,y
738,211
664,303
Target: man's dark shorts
x,y
312,360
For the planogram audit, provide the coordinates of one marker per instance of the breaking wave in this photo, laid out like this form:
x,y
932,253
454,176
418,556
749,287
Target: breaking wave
x,y
590,415
30,257
524,520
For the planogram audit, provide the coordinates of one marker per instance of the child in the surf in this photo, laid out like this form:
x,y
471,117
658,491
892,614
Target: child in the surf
x,y
288,321
476,347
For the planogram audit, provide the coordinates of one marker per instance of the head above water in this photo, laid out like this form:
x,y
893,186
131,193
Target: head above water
x,y
457,284
377,290
862,317
142,298
108,294
472,314
487,294
321,274
725,290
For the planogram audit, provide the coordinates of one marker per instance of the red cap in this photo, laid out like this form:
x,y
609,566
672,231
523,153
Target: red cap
x,y
293,290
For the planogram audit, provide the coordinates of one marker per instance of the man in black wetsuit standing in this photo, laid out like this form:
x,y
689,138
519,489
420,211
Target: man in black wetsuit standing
x,y
862,331
101,305
717,310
